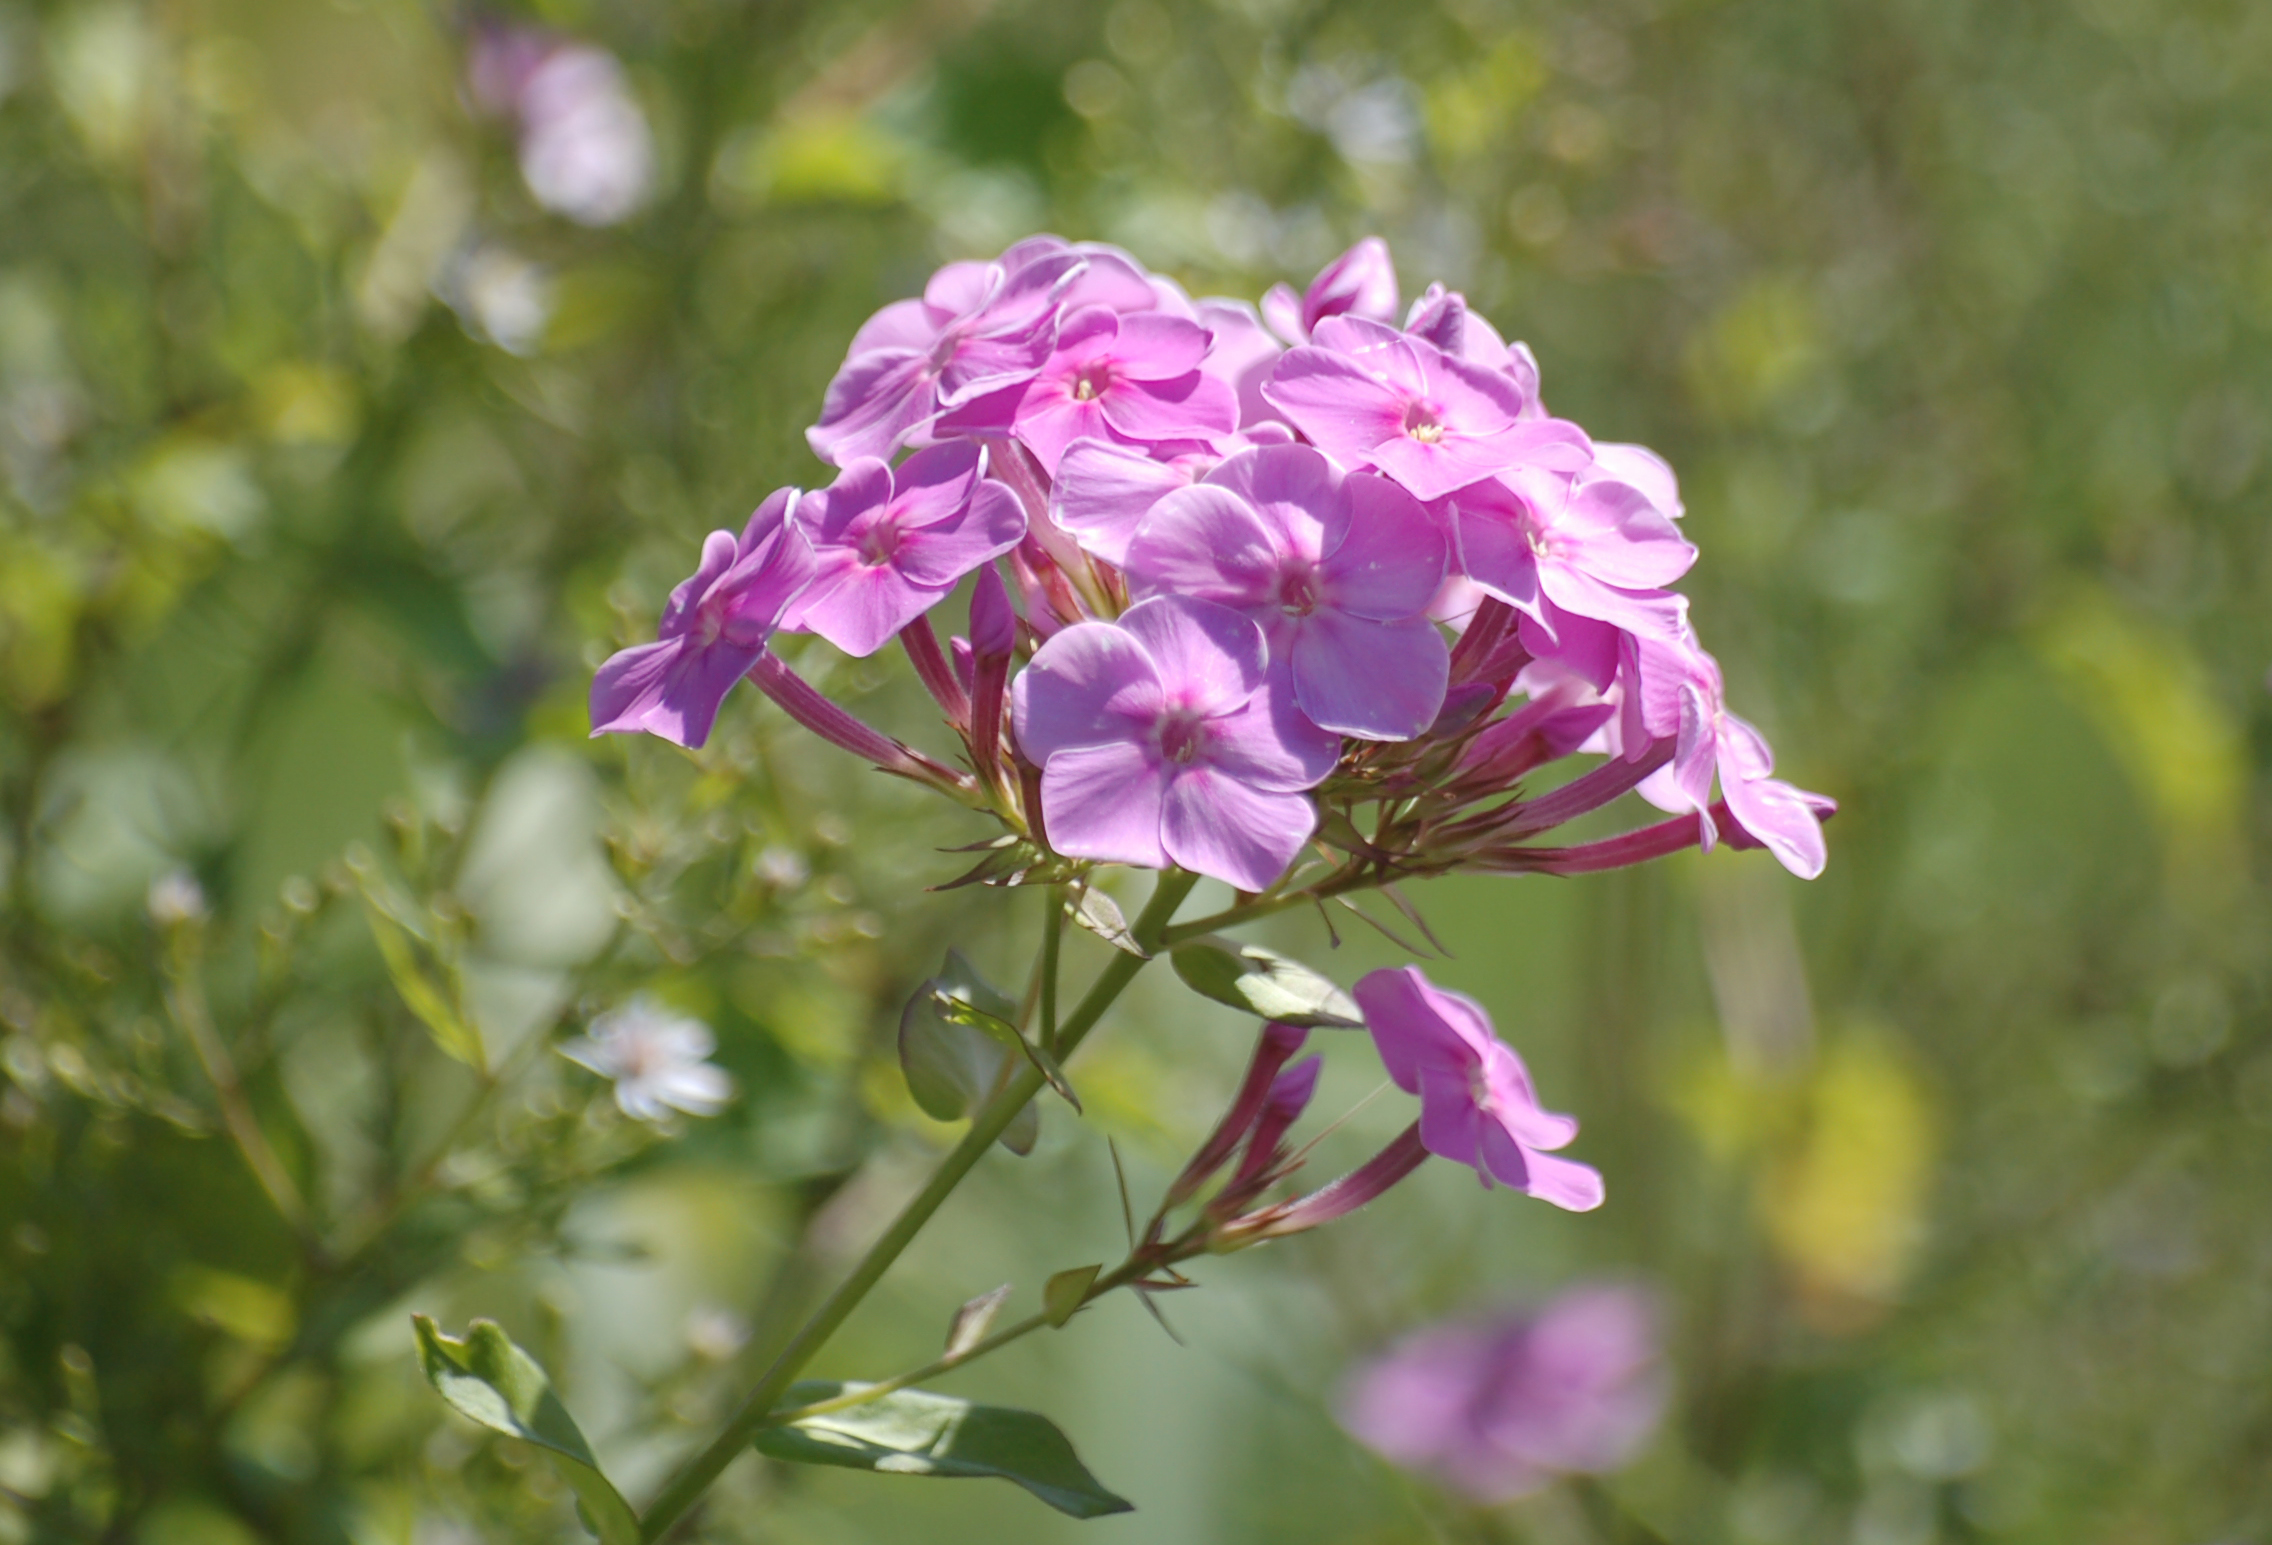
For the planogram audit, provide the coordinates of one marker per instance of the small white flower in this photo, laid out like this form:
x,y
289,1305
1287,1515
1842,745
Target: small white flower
x,y
657,1059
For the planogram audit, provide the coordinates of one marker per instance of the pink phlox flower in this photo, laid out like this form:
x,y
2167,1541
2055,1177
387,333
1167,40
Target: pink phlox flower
x,y
712,630
890,543
658,1061
1132,378
1442,318
1360,282
1590,546
1337,569
1370,396
1502,1404
1787,821
1164,739
1477,1106
977,328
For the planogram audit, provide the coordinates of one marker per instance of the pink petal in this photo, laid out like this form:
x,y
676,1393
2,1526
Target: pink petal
x,y
1451,1127
1336,402
872,404
1052,418
1208,542
829,516
1783,821
988,525
1564,1182
1103,490
1193,406
1209,658
1270,742
1091,684
719,549
1294,488
1104,802
1153,346
1405,1031
1374,680
1215,825
864,606
904,324
1243,355
1282,310
1362,280
1390,562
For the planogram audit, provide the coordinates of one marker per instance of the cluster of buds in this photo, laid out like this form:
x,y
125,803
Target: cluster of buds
x,y
1317,584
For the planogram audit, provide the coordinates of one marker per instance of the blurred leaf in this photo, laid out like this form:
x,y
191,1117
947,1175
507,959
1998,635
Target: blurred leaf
x,y
966,998
952,1066
1264,982
1064,1293
488,1379
251,1311
436,1009
2145,691
1844,1202
916,1432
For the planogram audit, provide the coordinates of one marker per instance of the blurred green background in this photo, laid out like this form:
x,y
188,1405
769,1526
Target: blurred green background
x,y
330,463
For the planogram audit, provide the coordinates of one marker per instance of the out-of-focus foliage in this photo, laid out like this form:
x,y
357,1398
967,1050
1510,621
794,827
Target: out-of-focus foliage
x,y
330,461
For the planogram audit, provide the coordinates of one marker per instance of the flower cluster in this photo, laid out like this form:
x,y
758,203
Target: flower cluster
x,y
1325,584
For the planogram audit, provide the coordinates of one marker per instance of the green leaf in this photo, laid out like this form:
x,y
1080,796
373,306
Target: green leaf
x,y
487,1378
1101,915
1063,1295
434,1007
952,1066
966,998
916,1432
1264,982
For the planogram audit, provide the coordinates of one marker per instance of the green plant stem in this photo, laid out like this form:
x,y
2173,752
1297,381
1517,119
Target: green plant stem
x,y
185,1000
1263,906
1052,939
696,1476
1119,1277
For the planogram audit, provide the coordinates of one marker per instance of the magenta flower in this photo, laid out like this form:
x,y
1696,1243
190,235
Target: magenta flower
x,y
1782,819
1163,739
713,629
1586,545
979,327
891,543
1360,282
1337,570
1477,1106
1441,317
1368,395
1103,490
1133,378
1501,1405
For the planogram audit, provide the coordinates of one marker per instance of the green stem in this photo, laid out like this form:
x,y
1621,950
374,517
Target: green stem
x,y
1263,906
695,1477
1052,938
1120,1276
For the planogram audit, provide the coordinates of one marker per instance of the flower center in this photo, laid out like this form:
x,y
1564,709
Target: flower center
x,y
1477,1089
1091,382
710,621
1183,736
879,544
1423,422
1297,593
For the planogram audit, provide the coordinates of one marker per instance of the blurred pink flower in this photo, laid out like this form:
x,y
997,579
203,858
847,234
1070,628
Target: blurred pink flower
x,y
1498,1406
